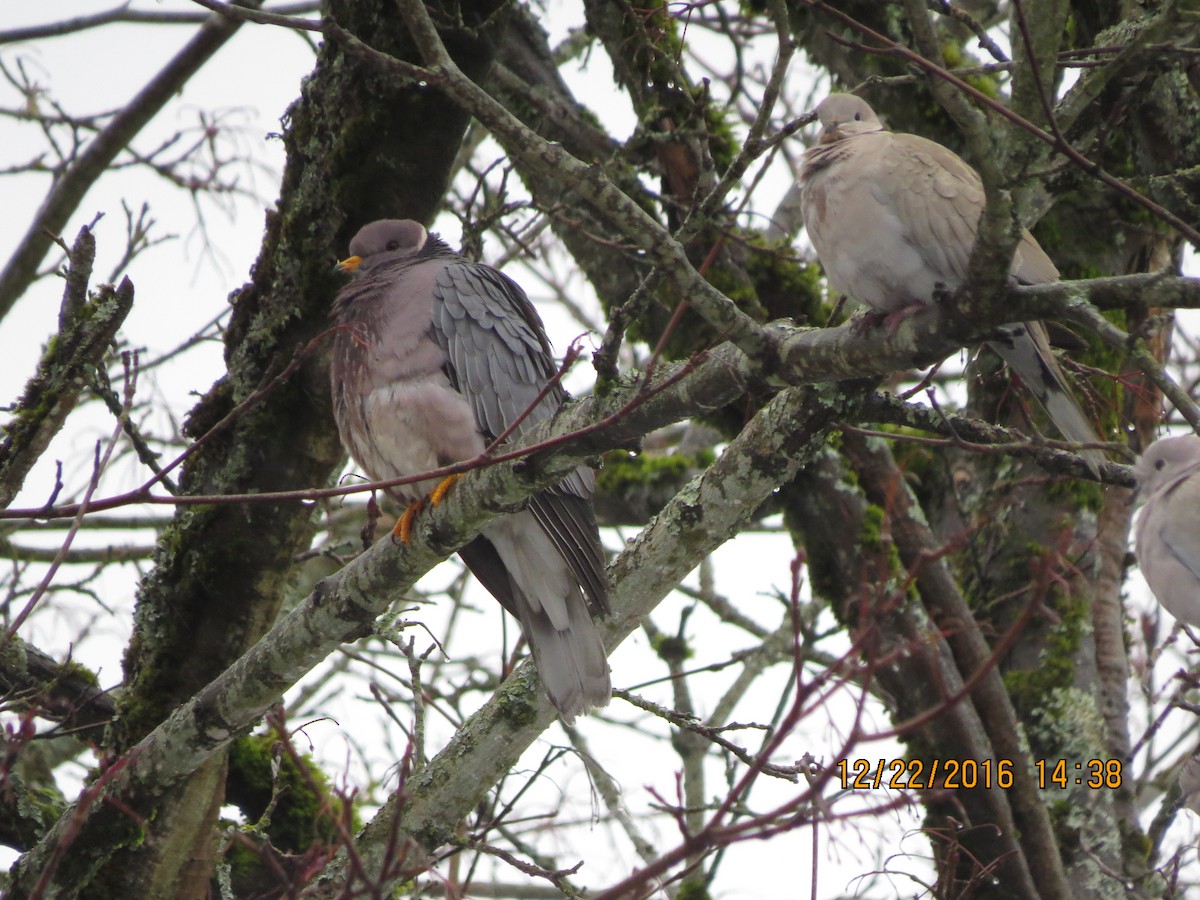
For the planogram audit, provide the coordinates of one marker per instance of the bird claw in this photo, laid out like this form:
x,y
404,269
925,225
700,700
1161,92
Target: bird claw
x,y
891,320
867,322
439,493
402,530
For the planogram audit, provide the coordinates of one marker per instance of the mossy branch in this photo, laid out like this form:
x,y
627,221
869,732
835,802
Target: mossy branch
x,y
67,692
343,605
87,325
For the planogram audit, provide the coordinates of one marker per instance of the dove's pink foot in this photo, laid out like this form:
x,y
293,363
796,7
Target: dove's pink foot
x,y
891,320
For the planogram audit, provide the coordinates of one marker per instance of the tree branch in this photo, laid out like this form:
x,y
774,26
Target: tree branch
x,y
21,269
343,606
87,328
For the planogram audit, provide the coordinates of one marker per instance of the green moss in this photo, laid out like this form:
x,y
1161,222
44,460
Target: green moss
x,y
1036,688
871,533
623,472
73,670
786,287
1080,493
245,862
672,649
1136,842
694,889
307,808
734,285
1067,823
516,707
38,806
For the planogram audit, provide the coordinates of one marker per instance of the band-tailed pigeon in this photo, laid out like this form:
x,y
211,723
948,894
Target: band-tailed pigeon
x,y
893,217
1168,531
438,356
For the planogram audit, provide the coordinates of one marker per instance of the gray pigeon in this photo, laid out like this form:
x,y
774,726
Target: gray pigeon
x,y
1168,531
437,357
893,217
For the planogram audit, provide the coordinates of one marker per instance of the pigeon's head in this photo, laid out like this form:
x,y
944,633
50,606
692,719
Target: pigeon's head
x,y
843,116
383,242
1165,462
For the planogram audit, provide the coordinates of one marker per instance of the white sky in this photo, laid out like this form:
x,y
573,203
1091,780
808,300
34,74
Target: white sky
x,y
183,284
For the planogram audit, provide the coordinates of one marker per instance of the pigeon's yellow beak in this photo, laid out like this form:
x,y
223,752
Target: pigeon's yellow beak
x,y
349,264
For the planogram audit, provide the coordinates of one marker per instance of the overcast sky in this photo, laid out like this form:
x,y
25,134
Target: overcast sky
x,y
183,284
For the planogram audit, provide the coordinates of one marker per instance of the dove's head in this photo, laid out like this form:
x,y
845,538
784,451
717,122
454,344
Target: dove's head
x,y
843,116
1165,462
384,242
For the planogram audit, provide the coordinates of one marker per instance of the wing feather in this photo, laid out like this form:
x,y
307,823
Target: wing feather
x,y
499,358
1178,529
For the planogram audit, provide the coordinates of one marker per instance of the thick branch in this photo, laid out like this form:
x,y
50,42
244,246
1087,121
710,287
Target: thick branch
x,y
700,518
1022,810
343,606
1156,290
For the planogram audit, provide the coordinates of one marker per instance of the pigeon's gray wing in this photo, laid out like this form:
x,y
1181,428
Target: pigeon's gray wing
x,y
496,345
499,358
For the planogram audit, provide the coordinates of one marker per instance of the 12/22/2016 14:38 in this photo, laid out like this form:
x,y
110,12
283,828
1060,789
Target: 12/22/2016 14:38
x,y
953,774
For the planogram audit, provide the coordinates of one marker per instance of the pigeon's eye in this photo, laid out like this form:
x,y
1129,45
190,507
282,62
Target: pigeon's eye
x,y
393,245
858,117
1159,463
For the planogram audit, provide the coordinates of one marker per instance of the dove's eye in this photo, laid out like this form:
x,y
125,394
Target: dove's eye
x,y
1159,463
858,117
393,245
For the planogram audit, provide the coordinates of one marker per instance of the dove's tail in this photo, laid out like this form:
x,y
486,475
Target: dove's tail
x,y
1026,349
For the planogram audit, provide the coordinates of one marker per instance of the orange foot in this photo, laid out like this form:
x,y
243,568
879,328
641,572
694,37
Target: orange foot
x,y
403,528
438,494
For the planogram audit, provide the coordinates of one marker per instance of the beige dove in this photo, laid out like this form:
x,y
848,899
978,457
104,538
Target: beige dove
x,y
1189,783
1168,530
893,218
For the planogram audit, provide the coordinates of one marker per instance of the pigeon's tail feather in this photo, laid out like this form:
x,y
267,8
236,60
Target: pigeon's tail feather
x,y
570,661
546,598
1026,349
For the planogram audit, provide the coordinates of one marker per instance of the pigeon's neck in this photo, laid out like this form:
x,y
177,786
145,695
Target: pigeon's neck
x,y
822,156
1178,479
435,247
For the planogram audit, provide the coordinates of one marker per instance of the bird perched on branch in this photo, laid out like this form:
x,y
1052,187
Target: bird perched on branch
x,y
893,218
437,357
1168,531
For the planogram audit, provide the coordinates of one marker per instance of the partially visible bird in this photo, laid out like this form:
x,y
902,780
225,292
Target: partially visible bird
x,y
437,357
893,218
1189,784
1168,530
